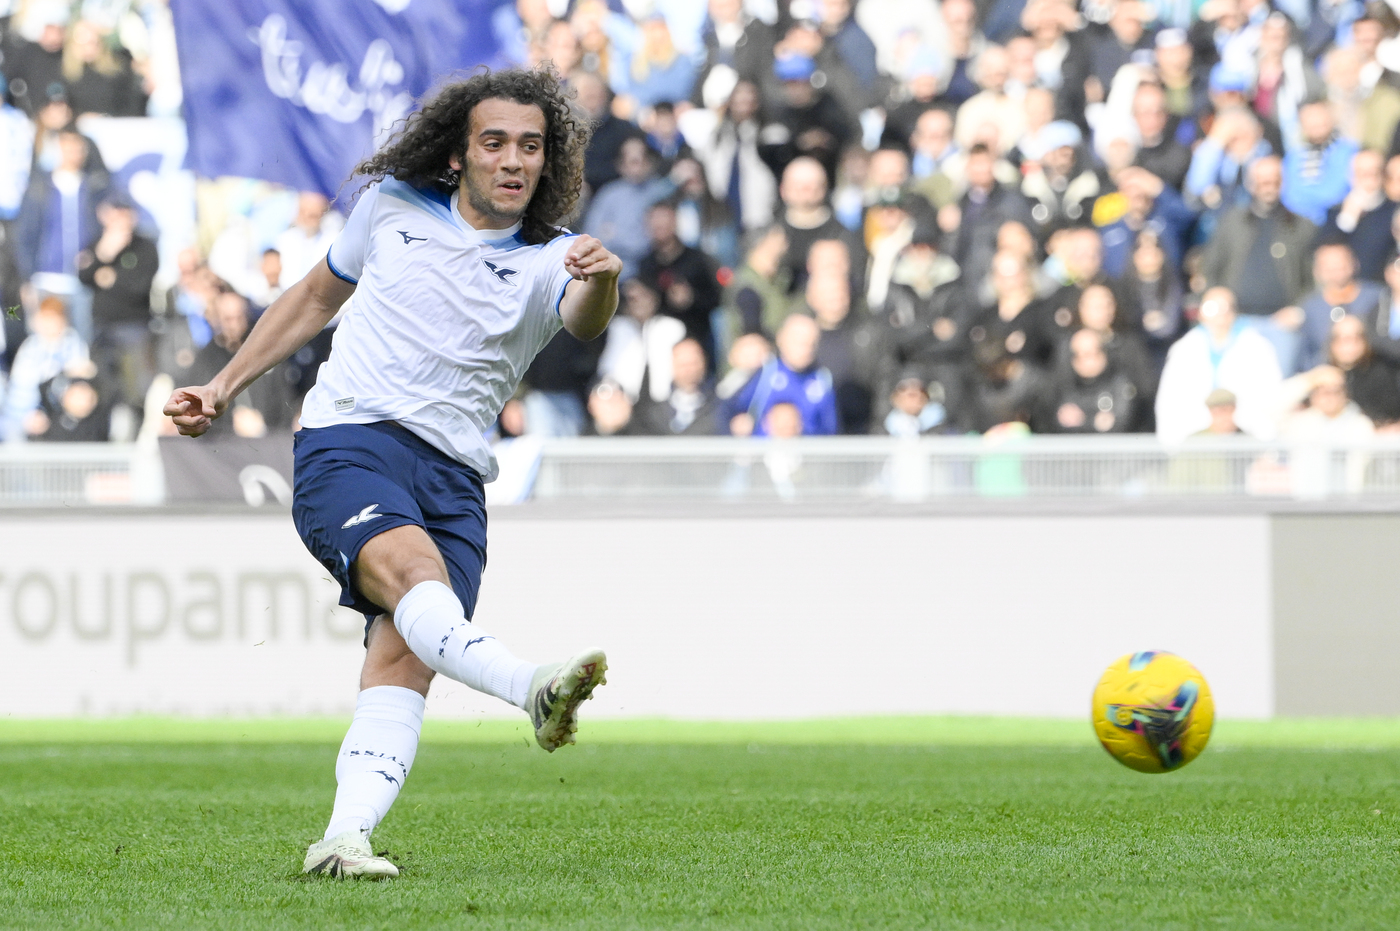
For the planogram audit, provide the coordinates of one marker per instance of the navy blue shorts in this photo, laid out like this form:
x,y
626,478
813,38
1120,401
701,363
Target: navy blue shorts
x,y
354,481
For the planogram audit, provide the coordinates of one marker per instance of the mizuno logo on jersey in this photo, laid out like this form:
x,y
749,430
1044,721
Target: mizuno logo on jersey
x,y
408,239
363,517
502,273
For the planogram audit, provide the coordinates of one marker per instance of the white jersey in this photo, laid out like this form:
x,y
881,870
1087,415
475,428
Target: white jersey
x,y
444,321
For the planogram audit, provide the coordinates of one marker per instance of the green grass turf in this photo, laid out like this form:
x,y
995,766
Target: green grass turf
x,y
916,823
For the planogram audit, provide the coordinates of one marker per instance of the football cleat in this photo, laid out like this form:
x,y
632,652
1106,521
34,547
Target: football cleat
x,y
347,856
555,694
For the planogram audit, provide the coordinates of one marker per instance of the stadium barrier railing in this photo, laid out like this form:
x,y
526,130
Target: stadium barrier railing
x,y
812,468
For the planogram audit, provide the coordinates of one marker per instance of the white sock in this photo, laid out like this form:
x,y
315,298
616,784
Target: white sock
x,y
375,757
431,621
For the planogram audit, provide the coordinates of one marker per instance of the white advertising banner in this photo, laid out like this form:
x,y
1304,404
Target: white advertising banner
x,y
706,618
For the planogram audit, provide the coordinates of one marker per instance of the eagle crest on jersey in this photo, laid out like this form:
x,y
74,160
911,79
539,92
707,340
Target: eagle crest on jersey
x,y
419,153
504,274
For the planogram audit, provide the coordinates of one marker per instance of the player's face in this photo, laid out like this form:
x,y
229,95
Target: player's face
x,y
503,162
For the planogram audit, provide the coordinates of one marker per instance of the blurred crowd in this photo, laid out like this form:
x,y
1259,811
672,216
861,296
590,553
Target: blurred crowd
x,y
906,217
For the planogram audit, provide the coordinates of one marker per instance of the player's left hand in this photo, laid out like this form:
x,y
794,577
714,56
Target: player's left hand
x,y
588,258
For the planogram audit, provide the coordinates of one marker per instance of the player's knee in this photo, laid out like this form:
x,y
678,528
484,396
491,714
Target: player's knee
x,y
417,568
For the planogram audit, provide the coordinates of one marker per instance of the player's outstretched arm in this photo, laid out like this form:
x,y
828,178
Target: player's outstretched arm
x,y
300,313
591,298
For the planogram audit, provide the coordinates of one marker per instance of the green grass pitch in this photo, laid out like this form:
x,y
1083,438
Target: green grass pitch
x,y
887,823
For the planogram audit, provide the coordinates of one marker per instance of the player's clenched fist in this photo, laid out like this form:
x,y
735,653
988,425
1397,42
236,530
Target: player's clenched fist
x,y
588,258
194,409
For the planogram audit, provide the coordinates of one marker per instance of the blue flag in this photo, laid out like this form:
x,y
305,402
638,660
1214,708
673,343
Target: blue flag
x,y
298,91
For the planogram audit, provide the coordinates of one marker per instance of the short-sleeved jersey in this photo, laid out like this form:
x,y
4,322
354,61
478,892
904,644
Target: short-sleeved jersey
x,y
444,321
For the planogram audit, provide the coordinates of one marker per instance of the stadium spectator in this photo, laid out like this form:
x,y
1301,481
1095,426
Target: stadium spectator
x,y
912,411
938,166
1371,380
850,44
684,277
610,411
637,355
1088,393
268,286
1363,217
991,117
1079,253
654,72
601,163
51,349
120,268
305,243
1221,405
703,221
1111,49
1145,203
691,407
1317,173
557,385
559,46
849,348
1221,352
806,120
978,216
890,221
1184,86
1261,253
1156,283
1126,349
99,79
1331,421
57,219
963,45
793,378
33,68
1159,151
807,218
1014,323
1284,79
737,175
1338,293
922,89
267,404
1059,181
55,118
737,45
926,325
1215,182
71,411
756,299
618,212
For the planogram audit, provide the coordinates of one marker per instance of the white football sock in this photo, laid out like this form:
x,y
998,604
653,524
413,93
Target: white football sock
x,y
431,621
375,757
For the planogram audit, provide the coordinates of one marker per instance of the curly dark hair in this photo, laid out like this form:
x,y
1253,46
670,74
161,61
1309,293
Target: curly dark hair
x,y
419,150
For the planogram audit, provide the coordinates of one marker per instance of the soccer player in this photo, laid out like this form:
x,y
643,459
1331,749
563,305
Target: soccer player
x,y
455,277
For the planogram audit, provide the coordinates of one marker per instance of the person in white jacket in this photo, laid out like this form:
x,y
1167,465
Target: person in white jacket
x,y
640,340
1221,352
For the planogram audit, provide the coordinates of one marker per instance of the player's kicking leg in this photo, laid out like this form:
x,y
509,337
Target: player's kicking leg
x,y
402,569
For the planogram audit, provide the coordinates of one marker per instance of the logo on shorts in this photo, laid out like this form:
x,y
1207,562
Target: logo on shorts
x,y
363,517
502,273
344,405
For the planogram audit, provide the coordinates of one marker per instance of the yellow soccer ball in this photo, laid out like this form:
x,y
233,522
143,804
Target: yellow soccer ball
x,y
1153,711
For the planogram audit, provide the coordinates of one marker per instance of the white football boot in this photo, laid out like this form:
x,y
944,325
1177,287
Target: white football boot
x,y
347,856
556,692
